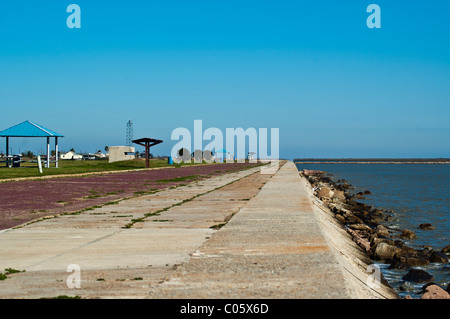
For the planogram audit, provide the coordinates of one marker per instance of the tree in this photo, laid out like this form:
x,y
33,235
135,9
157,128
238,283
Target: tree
x,y
29,154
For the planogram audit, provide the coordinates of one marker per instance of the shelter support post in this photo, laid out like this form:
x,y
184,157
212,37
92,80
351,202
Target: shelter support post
x,y
48,153
147,155
56,151
147,142
7,150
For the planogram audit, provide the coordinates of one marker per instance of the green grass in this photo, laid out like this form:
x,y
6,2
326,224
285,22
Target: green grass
x,y
80,167
178,179
65,297
9,271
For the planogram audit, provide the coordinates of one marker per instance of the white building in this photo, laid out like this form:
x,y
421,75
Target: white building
x,y
70,156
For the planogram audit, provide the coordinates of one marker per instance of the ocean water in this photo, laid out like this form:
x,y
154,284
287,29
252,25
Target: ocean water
x,y
416,193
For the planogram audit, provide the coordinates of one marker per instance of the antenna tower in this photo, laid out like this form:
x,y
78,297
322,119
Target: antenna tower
x,y
129,133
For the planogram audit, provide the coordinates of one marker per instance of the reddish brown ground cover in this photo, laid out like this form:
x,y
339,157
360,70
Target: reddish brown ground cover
x,y
23,201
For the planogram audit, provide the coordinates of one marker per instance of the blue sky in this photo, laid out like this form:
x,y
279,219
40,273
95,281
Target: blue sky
x,y
313,69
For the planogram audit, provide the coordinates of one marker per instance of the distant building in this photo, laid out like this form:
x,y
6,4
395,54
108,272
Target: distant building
x,y
100,155
70,156
67,155
89,157
121,153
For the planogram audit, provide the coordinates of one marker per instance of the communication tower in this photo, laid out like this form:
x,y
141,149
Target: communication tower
x,y
129,133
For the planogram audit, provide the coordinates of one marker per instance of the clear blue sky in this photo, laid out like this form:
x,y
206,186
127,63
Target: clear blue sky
x,y
313,69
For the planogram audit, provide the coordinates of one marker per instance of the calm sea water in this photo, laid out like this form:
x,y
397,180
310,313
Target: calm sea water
x,y
417,193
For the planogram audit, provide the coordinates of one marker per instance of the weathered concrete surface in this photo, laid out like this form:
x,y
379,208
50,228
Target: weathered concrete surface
x,y
277,244
118,262
275,247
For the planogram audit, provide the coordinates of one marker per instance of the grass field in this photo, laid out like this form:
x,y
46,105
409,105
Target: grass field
x,y
79,167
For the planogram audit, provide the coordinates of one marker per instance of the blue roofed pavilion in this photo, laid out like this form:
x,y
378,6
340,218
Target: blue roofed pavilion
x,y
31,129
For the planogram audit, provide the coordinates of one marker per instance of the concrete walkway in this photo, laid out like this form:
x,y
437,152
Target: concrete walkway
x,y
276,244
275,247
122,250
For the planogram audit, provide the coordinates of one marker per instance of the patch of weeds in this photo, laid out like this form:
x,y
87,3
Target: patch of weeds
x,y
178,179
13,271
147,192
162,220
122,216
9,271
100,279
137,278
134,221
65,297
92,196
112,203
157,213
218,226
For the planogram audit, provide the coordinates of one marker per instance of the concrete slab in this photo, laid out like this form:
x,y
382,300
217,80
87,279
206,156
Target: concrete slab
x,y
272,240
273,248
99,243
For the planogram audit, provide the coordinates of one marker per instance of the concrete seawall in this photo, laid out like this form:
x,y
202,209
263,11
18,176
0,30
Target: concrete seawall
x,y
353,261
240,235
282,244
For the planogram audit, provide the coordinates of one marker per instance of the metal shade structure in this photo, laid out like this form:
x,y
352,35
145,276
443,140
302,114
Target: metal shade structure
x,y
147,143
31,129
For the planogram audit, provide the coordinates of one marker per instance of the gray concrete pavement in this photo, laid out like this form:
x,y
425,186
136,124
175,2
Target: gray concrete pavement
x,y
166,228
277,243
274,247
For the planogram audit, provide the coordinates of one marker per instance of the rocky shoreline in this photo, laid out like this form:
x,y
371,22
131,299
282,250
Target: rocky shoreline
x,y
364,223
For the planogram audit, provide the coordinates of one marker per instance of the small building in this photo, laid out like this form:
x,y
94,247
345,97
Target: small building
x,y
70,156
121,153
66,156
